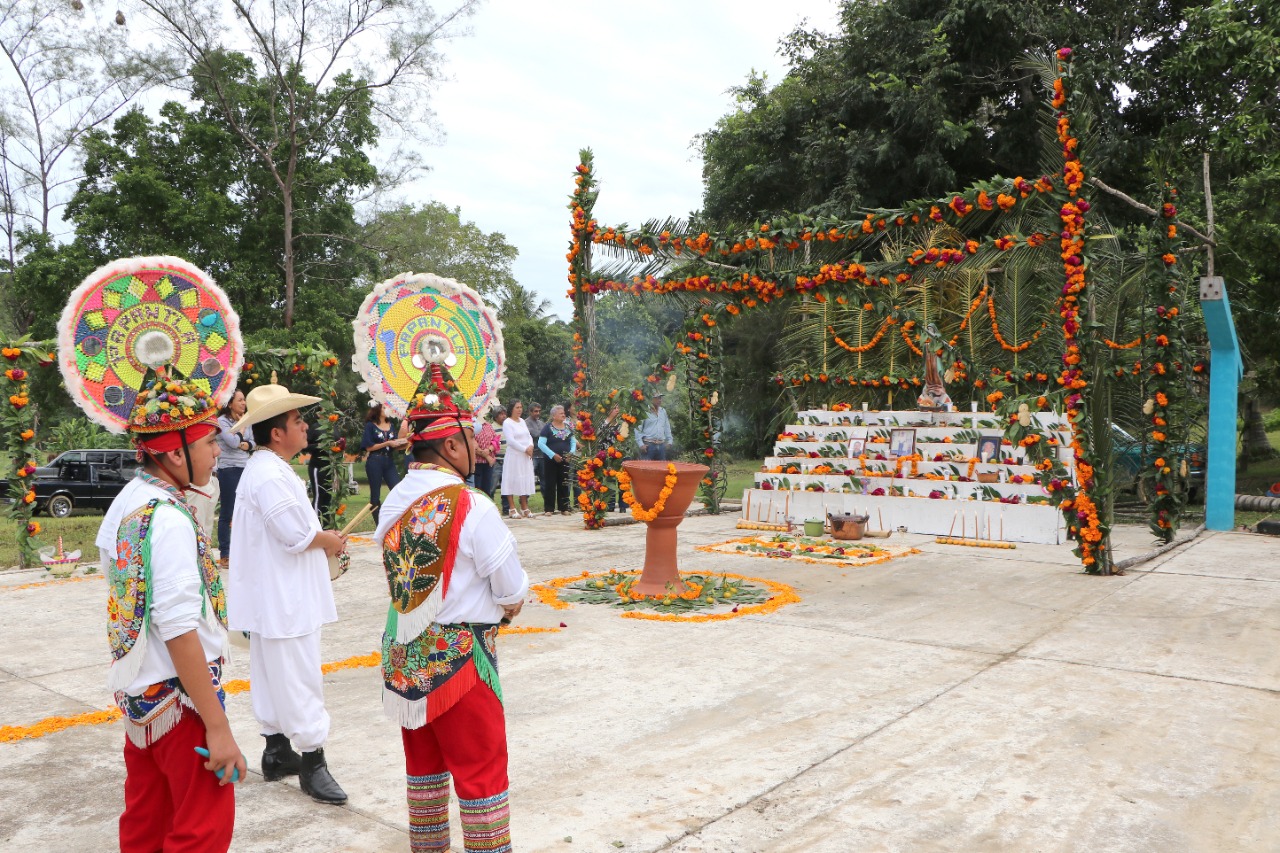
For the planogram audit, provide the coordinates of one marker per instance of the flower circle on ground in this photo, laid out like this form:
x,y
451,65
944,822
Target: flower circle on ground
x,y
709,597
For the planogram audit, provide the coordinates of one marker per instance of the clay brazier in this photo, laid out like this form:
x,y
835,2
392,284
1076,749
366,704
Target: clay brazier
x,y
661,569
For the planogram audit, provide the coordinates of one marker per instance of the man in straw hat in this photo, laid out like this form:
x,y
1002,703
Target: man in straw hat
x,y
279,591
454,576
167,626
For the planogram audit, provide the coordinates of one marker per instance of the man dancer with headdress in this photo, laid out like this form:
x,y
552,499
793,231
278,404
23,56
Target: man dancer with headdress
x,y
454,576
167,626
279,591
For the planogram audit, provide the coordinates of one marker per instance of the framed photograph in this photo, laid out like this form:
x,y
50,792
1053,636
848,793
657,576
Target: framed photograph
x,y
989,448
902,441
857,442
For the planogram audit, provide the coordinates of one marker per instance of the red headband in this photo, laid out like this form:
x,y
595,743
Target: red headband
x,y
163,442
441,425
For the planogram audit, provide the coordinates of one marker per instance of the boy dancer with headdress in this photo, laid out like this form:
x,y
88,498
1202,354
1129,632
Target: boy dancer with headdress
x,y
167,626
279,591
166,618
454,576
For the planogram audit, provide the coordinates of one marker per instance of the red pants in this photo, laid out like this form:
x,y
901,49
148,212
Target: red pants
x,y
469,741
171,803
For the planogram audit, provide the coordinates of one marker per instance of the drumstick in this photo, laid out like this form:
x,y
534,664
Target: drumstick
x,y
359,517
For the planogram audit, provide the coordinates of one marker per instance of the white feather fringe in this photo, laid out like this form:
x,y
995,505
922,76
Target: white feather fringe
x,y
124,671
409,626
407,714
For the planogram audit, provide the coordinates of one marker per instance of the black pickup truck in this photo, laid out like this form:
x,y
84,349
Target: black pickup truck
x,y
80,479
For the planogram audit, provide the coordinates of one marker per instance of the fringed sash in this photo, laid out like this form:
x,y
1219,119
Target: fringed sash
x,y
153,715
425,677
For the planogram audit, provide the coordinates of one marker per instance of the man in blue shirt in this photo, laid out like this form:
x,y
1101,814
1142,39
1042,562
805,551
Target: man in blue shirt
x,y
654,434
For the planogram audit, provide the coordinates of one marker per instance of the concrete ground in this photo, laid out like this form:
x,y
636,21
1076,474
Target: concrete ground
x,y
958,700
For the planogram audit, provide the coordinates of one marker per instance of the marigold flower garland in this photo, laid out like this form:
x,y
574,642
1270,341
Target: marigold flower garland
x,y
1168,500
1005,345
1081,512
582,229
19,423
637,509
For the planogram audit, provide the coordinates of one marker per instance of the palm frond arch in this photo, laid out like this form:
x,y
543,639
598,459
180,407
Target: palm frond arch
x,y
977,275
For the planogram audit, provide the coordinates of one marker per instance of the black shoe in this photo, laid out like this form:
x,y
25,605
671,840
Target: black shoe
x,y
317,782
278,759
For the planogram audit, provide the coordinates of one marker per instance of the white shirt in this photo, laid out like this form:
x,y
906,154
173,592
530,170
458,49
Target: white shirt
x,y
177,590
487,574
276,586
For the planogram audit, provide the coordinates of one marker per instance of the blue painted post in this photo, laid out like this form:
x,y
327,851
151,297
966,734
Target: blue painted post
x,y
1224,381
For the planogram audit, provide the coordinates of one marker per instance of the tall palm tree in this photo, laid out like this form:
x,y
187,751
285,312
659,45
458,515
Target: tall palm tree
x,y
521,301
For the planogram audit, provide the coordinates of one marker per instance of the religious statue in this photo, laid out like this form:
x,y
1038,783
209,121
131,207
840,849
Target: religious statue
x,y
934,398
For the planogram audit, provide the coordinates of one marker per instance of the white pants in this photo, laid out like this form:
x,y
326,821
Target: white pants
x,y
287,689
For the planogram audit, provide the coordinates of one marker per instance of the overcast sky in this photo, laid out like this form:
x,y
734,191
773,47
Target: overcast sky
x,y
536,81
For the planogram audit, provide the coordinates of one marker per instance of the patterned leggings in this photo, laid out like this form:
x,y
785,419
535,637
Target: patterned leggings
x,y
469,743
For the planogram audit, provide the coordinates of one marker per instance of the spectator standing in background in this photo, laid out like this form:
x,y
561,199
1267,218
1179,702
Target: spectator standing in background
x,y
500,418
236,447
557,443
654,434
535,423
487,446
378,442
517,466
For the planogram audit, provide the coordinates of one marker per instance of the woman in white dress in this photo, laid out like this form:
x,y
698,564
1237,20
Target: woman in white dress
x,y
517,465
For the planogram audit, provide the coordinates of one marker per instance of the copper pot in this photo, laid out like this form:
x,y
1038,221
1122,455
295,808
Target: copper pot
x,y
847,526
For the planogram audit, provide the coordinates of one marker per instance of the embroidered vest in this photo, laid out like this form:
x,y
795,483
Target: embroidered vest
x,y
427,667
157,710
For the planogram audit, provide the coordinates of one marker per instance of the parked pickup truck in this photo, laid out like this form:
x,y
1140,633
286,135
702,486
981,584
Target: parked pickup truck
x,y
1129,461
80,479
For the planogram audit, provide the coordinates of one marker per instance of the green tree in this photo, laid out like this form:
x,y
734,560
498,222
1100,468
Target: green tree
x,y
913,98
185,185
1218,91
65,69
434,238
539,365
289,97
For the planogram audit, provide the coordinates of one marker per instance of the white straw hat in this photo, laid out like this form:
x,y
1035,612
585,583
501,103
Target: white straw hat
x,y
267,401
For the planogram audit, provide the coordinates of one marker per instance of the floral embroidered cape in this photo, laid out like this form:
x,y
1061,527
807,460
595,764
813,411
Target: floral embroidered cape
x,y
427,667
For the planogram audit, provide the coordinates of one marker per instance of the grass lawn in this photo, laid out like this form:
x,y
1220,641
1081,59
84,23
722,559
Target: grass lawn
x,y
741,477
1261,475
